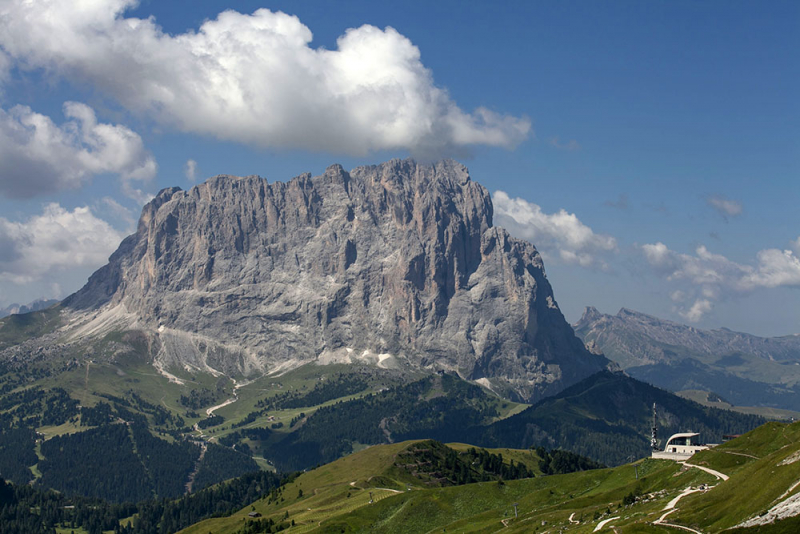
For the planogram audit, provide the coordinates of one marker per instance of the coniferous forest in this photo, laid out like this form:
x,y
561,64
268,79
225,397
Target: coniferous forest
x,y
25,509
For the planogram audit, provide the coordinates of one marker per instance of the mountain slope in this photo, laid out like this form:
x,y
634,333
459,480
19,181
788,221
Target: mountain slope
x,y
608,417
762,467
424,486
327,494
764,471
396,264
746,370
436,407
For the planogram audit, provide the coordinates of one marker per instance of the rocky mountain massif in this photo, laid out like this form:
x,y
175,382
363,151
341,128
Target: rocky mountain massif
x,y
292,323
397,265
745,369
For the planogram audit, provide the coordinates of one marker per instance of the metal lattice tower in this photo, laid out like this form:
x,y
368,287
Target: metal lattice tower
x,y
654,430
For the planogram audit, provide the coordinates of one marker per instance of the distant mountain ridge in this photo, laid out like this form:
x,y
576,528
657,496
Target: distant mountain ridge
x,y
598,327
745,369
396,264
36,305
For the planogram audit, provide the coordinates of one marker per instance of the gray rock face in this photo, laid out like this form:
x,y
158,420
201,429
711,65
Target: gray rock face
x,y
395,263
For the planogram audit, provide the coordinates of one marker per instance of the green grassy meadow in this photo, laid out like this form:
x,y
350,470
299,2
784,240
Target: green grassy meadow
x,y
335,497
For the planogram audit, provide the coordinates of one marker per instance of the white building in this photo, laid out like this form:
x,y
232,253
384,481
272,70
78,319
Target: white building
x,y
680,446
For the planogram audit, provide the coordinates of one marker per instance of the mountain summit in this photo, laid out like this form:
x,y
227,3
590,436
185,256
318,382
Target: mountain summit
x,y
396,265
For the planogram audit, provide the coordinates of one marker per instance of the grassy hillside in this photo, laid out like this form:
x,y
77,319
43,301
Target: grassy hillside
x,y
762,465
766,476
425,486
311,415
438,407
340,488
15,329
336,498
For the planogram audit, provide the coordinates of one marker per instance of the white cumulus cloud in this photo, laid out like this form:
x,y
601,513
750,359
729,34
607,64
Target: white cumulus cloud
x,y
255,78
560,233
775,268
54,241
707,277
38,156
659,256
697,311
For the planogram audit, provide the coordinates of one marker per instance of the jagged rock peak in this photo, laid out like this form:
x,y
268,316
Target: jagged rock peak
x,y
398,261
590,313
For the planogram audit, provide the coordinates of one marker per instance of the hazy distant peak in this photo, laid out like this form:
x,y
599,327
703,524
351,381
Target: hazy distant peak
x,y
36,305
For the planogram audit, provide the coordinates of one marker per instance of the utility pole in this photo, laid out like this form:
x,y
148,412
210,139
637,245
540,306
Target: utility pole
x,y
654,431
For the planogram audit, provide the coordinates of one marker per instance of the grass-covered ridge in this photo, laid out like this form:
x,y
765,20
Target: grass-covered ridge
x,y
333,492
633,497
767,475
336,497
70,391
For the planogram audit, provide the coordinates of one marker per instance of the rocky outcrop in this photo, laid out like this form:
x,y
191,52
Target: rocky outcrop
x,y
397,264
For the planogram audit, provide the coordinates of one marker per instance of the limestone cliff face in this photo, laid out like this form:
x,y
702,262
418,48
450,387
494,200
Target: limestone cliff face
x,y
394,263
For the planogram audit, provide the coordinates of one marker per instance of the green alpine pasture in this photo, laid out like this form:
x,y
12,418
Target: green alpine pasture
x,y
763,466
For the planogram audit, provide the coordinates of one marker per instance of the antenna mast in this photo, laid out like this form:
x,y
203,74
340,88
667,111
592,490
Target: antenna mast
x,y
654,431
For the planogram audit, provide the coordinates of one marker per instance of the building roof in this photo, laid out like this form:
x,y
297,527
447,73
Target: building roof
x,y
683,435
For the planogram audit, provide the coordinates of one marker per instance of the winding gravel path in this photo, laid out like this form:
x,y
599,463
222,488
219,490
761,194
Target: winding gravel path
x,y
602,523
721,476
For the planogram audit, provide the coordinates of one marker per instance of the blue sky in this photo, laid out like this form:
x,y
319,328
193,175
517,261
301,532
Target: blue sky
x,y
651,150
